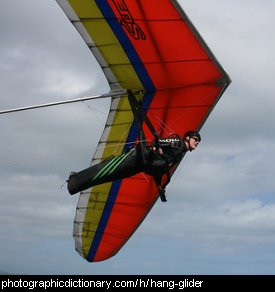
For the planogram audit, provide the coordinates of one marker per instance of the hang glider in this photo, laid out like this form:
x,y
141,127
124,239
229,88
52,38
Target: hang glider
x,y
152,48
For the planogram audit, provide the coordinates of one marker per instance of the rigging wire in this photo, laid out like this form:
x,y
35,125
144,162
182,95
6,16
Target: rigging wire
x,y
175,178
94,111
163,125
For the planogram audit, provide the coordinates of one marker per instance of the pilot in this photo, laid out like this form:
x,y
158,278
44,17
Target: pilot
x,y
169,152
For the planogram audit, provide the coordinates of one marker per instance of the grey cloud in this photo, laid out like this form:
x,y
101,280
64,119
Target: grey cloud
x,y
220,198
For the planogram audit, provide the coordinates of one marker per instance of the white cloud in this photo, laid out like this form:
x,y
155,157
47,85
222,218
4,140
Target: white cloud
x,y
221,229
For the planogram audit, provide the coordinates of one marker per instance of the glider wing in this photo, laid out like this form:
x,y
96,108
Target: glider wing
x,y
150,47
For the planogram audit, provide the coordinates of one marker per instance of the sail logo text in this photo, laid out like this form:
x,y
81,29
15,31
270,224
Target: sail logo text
x,y
128,22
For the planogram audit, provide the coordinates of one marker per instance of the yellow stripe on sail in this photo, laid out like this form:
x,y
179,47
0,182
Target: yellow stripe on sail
x,y
114,55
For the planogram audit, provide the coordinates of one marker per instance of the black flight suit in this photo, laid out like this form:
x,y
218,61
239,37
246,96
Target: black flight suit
x,y
140,158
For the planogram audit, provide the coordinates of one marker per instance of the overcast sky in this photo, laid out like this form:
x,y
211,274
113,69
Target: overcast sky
x,y
220,214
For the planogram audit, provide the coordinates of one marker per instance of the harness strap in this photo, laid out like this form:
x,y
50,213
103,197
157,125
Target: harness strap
x,y
140,115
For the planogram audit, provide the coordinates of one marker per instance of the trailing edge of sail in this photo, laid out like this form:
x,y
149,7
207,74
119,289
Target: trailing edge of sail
x,y
150,47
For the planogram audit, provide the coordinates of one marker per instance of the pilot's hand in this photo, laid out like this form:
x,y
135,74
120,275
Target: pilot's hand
x,y
159,150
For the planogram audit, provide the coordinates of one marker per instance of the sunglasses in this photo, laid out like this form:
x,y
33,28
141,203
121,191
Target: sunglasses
x,y
196,139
